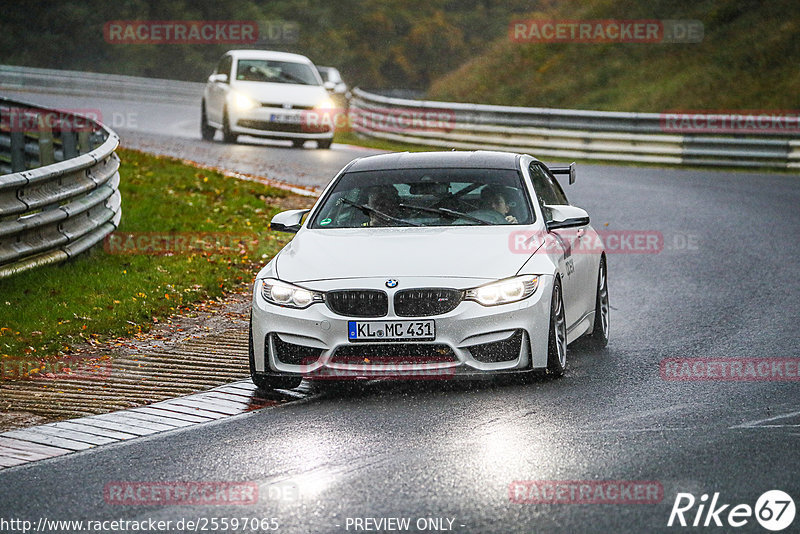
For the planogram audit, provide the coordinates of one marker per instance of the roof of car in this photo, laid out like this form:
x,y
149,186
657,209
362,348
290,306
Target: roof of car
x,y
268,54
480,159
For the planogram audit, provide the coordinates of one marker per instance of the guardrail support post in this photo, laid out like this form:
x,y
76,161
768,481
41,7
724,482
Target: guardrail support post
x,y
17,150
83,142
69,144
47,154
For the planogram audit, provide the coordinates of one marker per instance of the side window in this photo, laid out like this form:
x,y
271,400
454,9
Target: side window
x,y
548,191
224,66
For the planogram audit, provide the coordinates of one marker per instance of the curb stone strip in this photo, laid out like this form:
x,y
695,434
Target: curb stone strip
x,y
22,446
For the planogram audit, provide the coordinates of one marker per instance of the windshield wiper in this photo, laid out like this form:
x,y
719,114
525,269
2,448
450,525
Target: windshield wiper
x,y
453,214
381,215
294,79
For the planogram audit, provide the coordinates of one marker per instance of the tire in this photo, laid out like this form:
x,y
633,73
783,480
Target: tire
x,y
264,381
206,132
324,144
298,143
557,340
598,337
227,135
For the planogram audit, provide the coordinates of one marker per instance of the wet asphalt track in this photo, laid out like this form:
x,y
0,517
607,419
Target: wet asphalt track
x,y
725,285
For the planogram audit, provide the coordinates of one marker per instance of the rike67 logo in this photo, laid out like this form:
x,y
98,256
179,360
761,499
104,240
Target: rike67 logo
x,y
774,510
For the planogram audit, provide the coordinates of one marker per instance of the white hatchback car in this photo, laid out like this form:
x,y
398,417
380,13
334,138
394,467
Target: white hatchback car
x,y
426,265
266,94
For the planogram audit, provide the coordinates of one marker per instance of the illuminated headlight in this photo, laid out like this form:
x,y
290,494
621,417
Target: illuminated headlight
x,y
289,295
242,102
504,291
324,104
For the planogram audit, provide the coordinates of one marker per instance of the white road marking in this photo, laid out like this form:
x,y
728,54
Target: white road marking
x,y
759,423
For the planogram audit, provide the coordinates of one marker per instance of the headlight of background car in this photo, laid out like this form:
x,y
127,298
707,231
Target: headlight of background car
x,y
242,102
324,104
289,295
504,291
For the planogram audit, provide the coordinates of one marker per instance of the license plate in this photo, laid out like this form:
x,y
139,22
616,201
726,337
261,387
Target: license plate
x,y
285,119
390,330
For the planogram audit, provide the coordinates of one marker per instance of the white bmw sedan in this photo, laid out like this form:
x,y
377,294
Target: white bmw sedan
x,y
430,265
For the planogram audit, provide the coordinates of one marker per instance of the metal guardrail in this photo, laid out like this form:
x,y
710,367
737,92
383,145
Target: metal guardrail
x,y
59,179
14,78
563,133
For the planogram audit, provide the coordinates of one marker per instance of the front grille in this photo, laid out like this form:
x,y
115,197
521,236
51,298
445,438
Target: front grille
x,y
281,106
292,354
358,302
301,127
426,302
498,351
394,353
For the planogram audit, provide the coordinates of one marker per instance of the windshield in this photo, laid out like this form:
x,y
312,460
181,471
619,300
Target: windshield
x,y
425,197
266,70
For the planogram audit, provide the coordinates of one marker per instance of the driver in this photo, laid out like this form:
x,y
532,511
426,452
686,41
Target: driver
x,y
385,200
493,198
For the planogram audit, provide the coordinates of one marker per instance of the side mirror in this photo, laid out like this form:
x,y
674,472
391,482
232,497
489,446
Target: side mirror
x,y
288,221
565,170
219,78
329,86
564,216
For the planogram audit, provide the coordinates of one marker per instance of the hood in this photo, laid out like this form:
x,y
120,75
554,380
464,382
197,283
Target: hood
x,y
283,93
466,252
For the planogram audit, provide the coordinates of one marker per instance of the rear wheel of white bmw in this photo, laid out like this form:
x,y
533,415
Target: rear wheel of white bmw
x,y
557,340
598,338
264,381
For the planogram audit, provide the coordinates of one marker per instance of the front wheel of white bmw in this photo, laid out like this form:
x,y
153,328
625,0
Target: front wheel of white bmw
x,y
557,340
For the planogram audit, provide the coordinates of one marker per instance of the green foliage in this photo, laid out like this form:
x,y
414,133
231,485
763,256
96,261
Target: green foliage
x,y
747,60
391,44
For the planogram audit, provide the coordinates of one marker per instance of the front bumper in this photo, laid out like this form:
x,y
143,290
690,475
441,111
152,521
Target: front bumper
x,y
278,123
471,340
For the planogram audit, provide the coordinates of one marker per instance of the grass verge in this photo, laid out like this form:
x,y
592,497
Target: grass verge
x,y
143,272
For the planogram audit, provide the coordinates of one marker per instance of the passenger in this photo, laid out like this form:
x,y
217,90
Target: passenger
x,y
493,198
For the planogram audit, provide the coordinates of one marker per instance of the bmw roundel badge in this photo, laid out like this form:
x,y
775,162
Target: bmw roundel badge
x,y
391,282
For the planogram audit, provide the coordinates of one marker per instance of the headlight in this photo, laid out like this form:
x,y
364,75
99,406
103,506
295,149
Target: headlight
x,y
325,103
289,295
242,102
504,291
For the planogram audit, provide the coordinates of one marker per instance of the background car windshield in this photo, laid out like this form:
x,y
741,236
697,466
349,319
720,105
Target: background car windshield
x,y
425,197
265,70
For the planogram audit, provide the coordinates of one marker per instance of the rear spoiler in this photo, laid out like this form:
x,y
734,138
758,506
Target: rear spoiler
x,y
565,170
